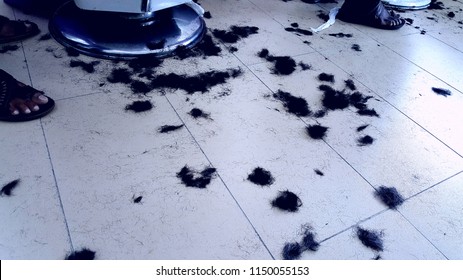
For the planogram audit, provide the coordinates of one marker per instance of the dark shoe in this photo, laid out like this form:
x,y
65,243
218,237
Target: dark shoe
x,y
379,17
11,89
16,30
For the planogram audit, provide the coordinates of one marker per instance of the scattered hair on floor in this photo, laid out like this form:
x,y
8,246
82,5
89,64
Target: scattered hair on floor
x,y
201,82
365,140
332,99
362,127
324,77
71,52
299,31
156,45
371,239
319,172
235,33
304,66
288,201
205,48
295,24
137,199
207,15
377,258
423,32
261,177
8,188
140,87
436,5
317,132
359,100
350,84
356,47
323,15
409,21
232,49
294,105
198,113
169,128
282,65
194,179
320,113
139,106
84,254
292,251
389,196
9,48
308,241
442,91
120,75
341,35
87,67
307,43
368,112
45,37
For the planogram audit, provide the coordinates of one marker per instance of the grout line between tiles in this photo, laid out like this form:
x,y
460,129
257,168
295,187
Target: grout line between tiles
x,y
223,182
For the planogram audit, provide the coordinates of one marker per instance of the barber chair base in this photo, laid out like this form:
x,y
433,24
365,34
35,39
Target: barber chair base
x,y
407,4
127,36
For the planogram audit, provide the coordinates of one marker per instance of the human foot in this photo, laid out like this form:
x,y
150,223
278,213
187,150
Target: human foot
x,y
19,102
378,17
15,30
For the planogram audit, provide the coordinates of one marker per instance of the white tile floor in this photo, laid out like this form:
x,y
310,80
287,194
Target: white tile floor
x,y
82,165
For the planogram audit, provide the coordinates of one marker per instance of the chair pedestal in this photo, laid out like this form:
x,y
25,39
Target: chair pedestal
x,y
114,35
408,4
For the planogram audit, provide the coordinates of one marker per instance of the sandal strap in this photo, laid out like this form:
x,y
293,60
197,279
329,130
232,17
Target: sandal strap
x,y
5,88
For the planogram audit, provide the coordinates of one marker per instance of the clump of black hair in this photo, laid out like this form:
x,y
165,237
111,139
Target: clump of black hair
x,y
169,128
333,99
84,254
317,131
324,77
304,66
350,84
365,140
323,15
120,75
320,113
137,199
368,112
139,106
9,48
362,127
299,31
198,113
308,241
262,177
205,48
288,201
441,91
198,83
341,35
356,47
207,15
140,87
292,251
371,239
389,196
436,5
294,105
235,33
191,178
71,52
359,100
6,190
282,65
319,172
45,37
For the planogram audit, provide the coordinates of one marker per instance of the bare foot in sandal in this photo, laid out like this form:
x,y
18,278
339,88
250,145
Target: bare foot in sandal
x,y
19,102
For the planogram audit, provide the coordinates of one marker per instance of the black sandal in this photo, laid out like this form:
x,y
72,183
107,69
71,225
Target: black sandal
x,y
379,17
22,29
9,89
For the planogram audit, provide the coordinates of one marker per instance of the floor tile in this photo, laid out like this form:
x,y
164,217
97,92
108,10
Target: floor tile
x,y
437,214
100,168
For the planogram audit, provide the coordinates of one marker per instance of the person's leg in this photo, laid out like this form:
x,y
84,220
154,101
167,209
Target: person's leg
x,y
370,13
19,102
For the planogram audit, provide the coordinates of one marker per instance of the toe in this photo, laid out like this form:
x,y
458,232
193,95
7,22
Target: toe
x,y
39,98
